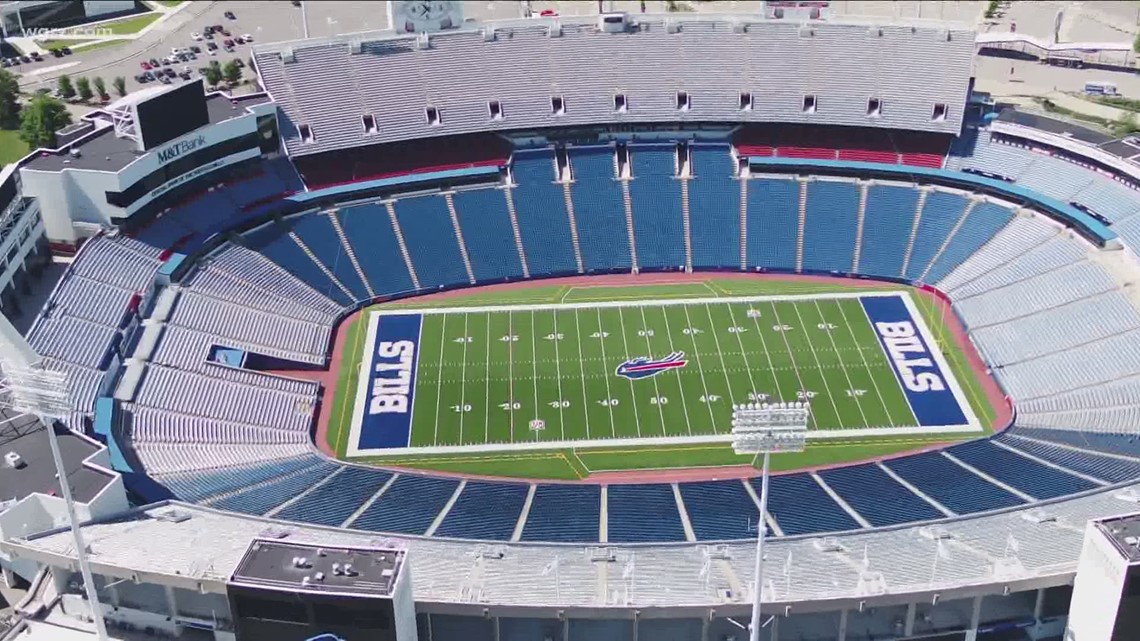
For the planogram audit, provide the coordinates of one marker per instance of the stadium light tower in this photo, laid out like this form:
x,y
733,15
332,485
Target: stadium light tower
x,y
766,428
30,388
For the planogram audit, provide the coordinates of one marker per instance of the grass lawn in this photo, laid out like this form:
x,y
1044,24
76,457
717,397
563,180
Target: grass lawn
x,y
11,147
98,44
53,44
578,462
168,3
130,26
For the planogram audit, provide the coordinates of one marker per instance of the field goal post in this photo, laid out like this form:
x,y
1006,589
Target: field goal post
x,y
767,428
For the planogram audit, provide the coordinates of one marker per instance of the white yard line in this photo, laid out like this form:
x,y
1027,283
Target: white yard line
x,y
582,371
649,354
791,354
511,370
680,382
813,435
606,377
558,372
463,381
628,355
534,371
940,359
839,355
700,368
743,353
720,353
866,365
487,389
819,366
439,385
771,365
363,383
636,303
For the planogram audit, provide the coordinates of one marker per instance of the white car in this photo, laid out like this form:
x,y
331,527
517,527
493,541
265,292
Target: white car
x,y
247,37
196,36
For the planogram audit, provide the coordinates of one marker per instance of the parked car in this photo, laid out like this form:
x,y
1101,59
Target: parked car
x,y
153,62
228,42
195,36
145,65
141,79
211,48
185,75
246,37
164,80
55,53
150,75
195,49
25,59
230,15
66,50
5,63
170,72
238,62
36,56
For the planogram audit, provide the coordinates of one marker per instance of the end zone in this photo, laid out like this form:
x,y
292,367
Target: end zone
x,y
385,391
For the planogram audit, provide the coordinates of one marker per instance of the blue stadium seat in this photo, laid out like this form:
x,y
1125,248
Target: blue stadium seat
x,y
714,204
485,511
261,499
1018,472
603,235
541,212
876,496
1123,444
985,220
486,227
274,242
886,229
939,215
564,513
318,234
773,222
655,197
643,514
831,225
1113,470
409,506
203,485
719,510
333,502
369,231
430,238
957,489
801,506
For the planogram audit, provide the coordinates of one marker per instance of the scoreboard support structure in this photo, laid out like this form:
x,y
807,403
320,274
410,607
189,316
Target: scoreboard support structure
x,y
766,428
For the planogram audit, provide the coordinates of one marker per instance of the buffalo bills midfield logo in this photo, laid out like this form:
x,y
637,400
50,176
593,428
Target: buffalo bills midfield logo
x,y
645,367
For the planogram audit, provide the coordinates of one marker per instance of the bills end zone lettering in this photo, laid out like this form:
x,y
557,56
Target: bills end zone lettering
x,y
388,382
926,386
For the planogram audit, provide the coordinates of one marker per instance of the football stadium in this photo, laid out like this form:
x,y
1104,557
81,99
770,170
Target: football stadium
x,y
578,327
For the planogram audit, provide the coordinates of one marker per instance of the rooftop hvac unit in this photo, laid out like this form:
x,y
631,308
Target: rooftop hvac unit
x,y
613,22
288,56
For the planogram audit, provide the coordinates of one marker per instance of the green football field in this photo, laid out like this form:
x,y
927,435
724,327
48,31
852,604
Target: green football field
x,y
537,384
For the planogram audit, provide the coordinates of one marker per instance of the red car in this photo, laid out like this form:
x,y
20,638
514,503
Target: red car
x,y
145,65
228,42
548,13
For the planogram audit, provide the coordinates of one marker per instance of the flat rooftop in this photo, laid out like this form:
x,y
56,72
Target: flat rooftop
x,y
304,567
1055,126
24,436
1124,532
104,151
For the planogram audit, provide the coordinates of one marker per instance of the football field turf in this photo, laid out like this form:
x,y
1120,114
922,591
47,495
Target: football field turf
x,y
646,372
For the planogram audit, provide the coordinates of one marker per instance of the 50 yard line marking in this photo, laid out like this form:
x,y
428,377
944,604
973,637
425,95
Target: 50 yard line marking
x,y
463,382
439,385
656,387
680,382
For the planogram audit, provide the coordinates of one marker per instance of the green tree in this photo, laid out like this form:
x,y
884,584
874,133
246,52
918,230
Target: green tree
x,y
83,86
1136,44
120,84
66,90
100,86
232,72
213,73
1125,125
9,103
40,119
